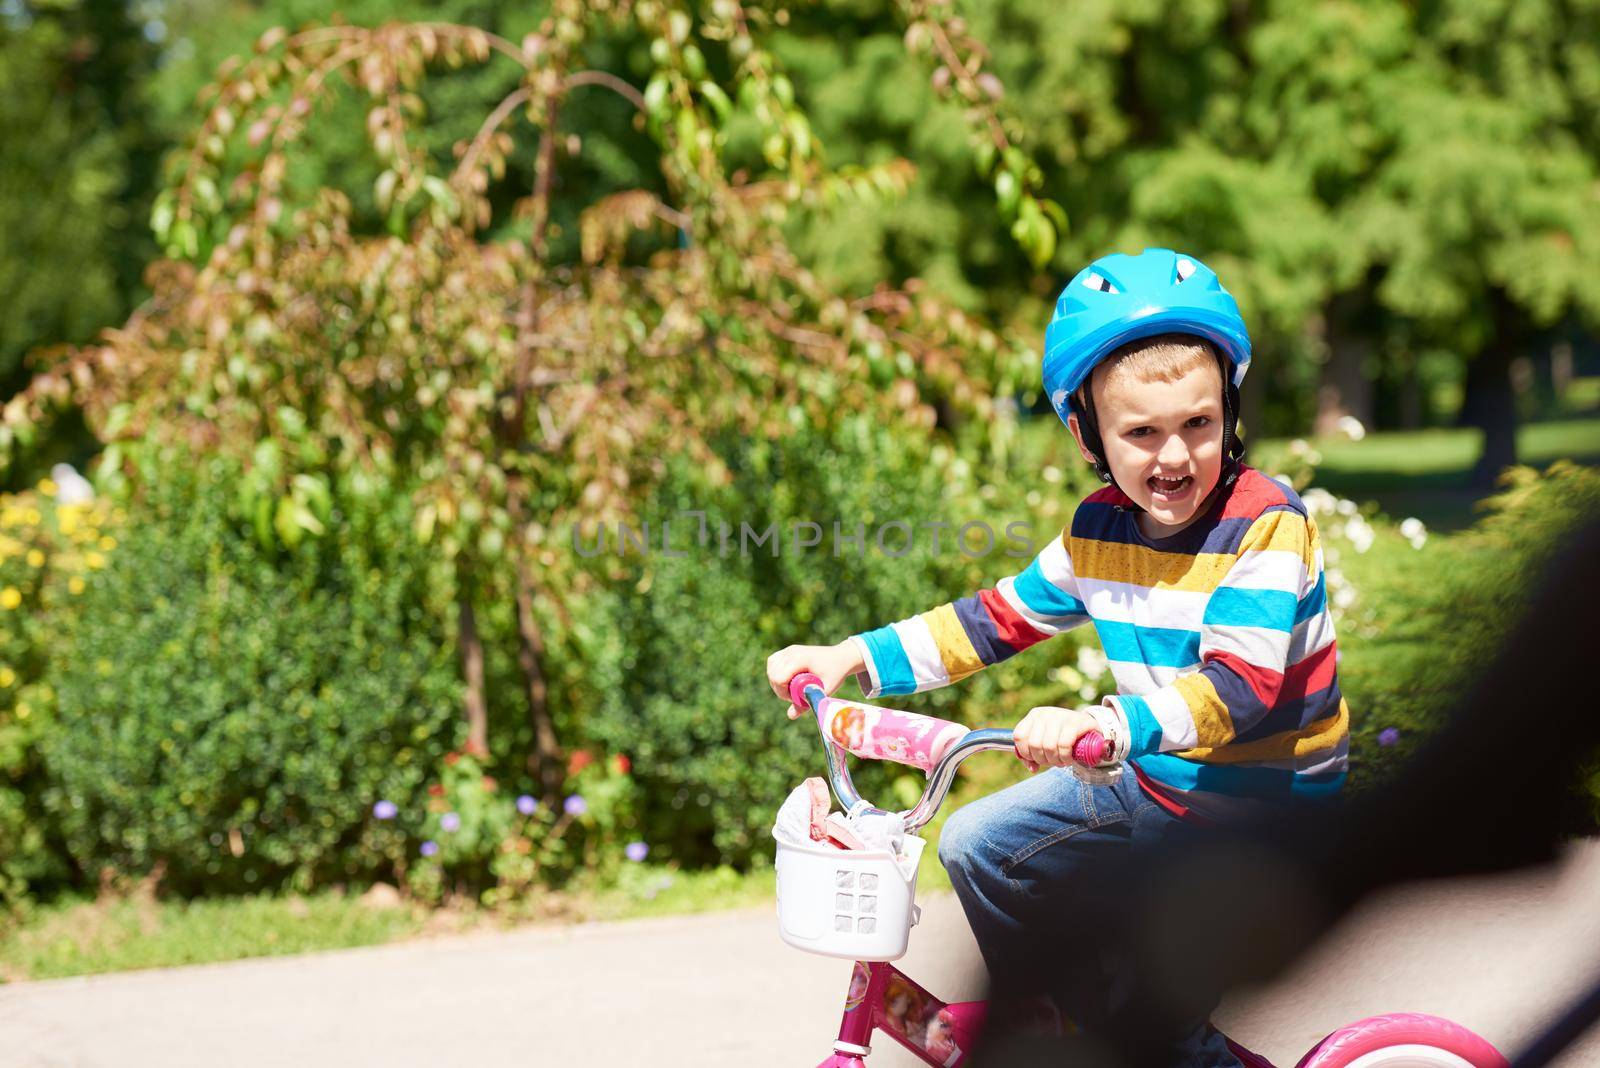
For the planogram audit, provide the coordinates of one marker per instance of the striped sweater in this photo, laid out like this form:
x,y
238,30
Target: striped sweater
x,y
1219,639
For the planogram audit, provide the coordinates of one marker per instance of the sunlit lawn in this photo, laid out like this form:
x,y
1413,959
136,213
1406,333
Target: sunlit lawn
x,y
1424,473
79,937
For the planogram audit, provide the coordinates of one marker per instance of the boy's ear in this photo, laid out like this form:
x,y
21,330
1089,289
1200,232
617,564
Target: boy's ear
x,y
1077,435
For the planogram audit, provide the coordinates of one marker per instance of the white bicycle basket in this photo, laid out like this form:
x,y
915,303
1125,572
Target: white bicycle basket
x,y
853,903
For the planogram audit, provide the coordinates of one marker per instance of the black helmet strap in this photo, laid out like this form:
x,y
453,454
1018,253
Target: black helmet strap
x,y
1082,402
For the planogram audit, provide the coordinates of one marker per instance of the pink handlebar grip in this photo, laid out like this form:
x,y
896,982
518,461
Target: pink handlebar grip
x,y
797,689
1090,749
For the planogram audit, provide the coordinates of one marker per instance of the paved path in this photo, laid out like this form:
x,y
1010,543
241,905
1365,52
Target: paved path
x,y
1498,955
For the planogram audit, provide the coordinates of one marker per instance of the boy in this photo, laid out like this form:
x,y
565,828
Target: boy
x,y
1204,581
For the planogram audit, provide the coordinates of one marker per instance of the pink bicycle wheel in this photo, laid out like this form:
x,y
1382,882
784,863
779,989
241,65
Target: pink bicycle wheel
x,y
1403,1040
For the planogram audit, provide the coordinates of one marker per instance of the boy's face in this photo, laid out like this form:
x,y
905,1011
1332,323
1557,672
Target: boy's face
x,y
1163,440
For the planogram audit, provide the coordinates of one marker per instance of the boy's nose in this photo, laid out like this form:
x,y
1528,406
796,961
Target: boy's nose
x,y
1174,453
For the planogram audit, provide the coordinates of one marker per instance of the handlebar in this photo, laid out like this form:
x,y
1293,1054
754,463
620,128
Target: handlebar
x,y
807,694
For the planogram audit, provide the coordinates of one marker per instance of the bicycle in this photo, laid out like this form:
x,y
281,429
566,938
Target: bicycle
x,y
860,904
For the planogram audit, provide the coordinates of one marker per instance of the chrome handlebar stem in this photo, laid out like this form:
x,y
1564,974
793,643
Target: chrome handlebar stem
x,y
940,778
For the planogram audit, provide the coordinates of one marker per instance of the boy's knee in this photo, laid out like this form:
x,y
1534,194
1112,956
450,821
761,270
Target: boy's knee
x,y
962,844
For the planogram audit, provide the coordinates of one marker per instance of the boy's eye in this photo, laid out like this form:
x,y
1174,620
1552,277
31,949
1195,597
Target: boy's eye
x,y
1141,431
1199,420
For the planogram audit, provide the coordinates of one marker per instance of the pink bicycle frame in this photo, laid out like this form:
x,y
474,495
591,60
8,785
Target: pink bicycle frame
x,y
884,998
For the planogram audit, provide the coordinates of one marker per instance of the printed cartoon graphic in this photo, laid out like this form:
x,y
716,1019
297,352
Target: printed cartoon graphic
x,y
919,1017
902,1007
848,727
941,1043
860,978
888,734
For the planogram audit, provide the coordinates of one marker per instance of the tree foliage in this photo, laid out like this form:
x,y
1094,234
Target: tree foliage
x,y
508,393
78,159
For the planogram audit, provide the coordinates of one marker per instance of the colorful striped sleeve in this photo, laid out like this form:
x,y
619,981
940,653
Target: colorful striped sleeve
x,y
1245,638
950,642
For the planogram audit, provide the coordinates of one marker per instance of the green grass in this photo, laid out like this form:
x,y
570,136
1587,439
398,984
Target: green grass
x,y
1425,473
83,937
655,890
86,937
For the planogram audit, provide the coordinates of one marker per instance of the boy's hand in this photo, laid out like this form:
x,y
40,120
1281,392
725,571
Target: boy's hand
x,y
1046,735
830,663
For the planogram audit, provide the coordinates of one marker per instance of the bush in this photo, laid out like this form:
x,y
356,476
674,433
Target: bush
x,y
227,715
49,550
1433,620
679,647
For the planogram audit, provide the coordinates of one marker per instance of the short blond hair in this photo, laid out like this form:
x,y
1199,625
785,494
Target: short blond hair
x,y
1162,358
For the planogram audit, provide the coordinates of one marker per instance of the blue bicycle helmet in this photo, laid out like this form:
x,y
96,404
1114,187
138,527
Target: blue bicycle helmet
x,y
1118,299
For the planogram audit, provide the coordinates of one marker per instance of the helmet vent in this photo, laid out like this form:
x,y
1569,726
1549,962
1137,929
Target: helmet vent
x,y
1184,268
1099,283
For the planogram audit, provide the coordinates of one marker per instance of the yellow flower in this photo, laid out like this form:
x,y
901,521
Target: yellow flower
x,y
7,678
47,487
74,585
32,517
108,543
94,560
23,711
35,558
10,597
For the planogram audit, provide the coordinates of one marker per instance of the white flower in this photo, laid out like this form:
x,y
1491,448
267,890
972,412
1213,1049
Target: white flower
x,y
1051,473
1033,498
1091,661
1318,501
1344,597
1345,506
1350,427
1411,529
1299,447
71,487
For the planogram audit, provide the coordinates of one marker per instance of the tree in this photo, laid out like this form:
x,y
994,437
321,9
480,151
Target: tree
x,y
509,392
78,156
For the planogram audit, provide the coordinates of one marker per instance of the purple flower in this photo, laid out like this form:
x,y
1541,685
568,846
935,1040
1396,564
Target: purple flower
x,y
636,851
384,810
430,848
575,805
1388,736
527,805
450,822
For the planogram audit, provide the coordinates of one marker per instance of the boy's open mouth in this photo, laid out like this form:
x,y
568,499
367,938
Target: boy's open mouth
x,y
1170,489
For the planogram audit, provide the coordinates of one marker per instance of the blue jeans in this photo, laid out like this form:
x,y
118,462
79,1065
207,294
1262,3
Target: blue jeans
x,y
1022,861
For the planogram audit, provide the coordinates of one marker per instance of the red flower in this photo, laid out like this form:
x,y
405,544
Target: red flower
x,y
622,764
489,783
436,790
451,758
579,760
